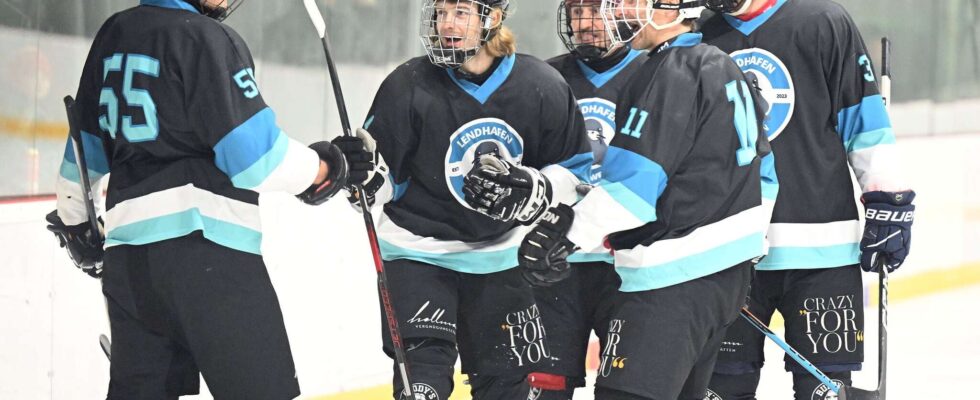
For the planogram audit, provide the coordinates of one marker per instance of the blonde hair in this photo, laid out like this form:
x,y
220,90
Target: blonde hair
x,y
503,43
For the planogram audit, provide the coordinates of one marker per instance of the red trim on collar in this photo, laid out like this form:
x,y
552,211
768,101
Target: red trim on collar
x,y
764,8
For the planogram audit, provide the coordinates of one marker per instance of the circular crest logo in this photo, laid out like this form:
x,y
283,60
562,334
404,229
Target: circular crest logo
x,y
712,396
600,123
822,392
424,392
474,139
776,84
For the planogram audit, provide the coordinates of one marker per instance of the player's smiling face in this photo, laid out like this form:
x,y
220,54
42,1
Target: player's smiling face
x,y
587,26
458,24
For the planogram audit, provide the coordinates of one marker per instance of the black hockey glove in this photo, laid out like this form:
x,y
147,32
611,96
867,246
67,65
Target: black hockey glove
x,y
336,175
506,191
887,229
543,255
372,170
84,246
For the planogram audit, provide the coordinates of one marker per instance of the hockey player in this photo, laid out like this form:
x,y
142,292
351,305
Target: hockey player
x,y
597,71
825,114
680,203
452,220
168,103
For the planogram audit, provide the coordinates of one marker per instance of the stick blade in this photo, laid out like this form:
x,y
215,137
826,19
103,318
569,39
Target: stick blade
x,y
106,346
853,393
316,17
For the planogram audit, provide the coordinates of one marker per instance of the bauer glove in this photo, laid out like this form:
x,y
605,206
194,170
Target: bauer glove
x,y
887,229
506,191
84,246
543,255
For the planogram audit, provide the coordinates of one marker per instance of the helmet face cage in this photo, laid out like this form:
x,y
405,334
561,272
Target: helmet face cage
x,y
731,7
465,36
219,13
626,18
582,29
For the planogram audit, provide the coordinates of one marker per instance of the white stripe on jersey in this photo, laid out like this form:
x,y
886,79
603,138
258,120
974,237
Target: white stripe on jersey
x,y
401,237
705,238
814,235
295,173
878,168
179,199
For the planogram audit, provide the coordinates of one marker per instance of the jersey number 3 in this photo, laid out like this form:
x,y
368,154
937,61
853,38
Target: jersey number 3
x,y
745,122
109,122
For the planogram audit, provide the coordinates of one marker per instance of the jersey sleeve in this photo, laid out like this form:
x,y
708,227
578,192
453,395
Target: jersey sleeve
x,y
226,107
565,151
862,120
392,124
70,198
654,132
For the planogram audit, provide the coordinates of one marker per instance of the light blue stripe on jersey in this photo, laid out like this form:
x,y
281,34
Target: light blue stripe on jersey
x,y
634,181
483,92
866,118
599,79
747,27
176,4
95,159
781,258
470,262
398,189
770,181
687,39
691,267
580,257
580,165
183,223
251,151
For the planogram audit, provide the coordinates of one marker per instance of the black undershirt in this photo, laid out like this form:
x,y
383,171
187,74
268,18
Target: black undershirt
x,y
608,62
479,79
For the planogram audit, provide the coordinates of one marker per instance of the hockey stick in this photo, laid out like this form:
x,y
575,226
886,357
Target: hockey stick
x,y
886,94
396,339
82,164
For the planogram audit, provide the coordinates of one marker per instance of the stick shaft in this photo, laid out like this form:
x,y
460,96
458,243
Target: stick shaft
x,y
82,164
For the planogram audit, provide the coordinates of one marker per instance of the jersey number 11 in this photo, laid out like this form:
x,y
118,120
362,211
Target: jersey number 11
x,y
745,122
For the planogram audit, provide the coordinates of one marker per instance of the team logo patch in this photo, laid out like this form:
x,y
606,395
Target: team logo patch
x,y
600,123
712,396
534,394
474,139
776,84
424,392
822,392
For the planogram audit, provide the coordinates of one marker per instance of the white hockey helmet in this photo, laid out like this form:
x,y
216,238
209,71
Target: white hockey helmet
x,y
626,18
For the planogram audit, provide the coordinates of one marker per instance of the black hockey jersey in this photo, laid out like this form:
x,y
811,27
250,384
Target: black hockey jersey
x,y
681,195
826,112
431,126
597,93
171,97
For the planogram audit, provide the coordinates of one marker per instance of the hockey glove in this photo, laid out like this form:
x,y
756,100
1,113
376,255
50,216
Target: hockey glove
x,y
84,247
887,229
372,171
506,191
336,174
543,255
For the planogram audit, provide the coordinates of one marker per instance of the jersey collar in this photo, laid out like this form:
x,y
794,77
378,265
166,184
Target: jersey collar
x,y
175,4
482,92
747,27
599,79
686,39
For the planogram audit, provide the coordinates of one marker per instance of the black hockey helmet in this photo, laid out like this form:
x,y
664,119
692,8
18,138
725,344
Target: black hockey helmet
x,y
586,50
732,7
217,12
453,57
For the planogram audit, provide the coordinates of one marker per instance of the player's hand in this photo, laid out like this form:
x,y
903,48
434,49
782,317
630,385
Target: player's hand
x,y
506,191
336,174
543,255
85,248
887,229
368,168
